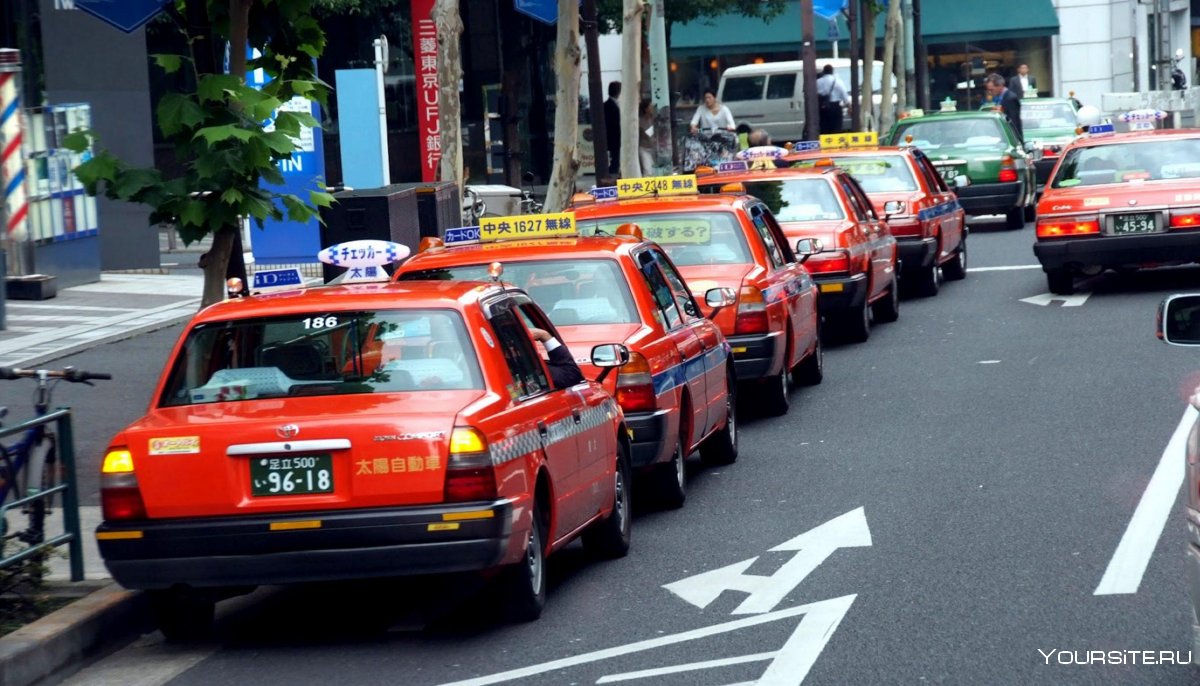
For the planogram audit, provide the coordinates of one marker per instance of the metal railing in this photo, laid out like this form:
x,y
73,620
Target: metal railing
x,y
71,535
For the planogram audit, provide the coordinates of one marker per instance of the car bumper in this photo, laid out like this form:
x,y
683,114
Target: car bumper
x,y
289,548
840,294
991,198
1115,251
648,443
754,357
916,253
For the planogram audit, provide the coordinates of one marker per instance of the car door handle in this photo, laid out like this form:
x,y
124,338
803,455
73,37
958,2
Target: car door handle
x,y
542,428
577,415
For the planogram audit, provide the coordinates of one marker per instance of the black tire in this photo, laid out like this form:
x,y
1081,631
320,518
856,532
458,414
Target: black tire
x,y
1060,281
772,394
887,308
956,269
811,370
609,538
926,281
721,448
1030,214
855,326
1014,219
670,479
524,583
183,614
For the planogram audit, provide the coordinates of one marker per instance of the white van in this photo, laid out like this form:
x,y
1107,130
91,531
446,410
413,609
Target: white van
x,y
771,95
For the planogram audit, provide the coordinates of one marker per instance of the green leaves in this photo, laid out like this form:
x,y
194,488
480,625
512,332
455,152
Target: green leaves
x,y
216,87
177,112
169,63
217,134
320,199
77,142
193,213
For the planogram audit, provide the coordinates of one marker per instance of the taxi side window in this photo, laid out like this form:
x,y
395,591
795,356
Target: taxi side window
x,y
776,231
935,179
863,201
529,377
764,232
683,297
660,290
859,212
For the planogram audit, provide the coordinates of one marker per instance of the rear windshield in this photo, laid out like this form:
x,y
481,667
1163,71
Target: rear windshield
x,y
1047,115
691,238
983,133
1148,160
795,200
882,174
324,353
571,292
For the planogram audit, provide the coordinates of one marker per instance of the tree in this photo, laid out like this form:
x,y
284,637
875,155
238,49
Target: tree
x,y
448,20
631,87
891,31
870,9
566,110
217,127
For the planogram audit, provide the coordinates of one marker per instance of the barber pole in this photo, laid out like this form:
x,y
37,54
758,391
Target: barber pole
x,y
12,160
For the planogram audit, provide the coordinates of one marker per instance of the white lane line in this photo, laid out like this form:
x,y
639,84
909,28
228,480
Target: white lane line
x,y
1008,268
691,667
1129,562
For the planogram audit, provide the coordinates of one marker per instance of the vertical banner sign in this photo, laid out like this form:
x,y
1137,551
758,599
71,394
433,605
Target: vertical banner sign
x,y
287,242
12,160
425,47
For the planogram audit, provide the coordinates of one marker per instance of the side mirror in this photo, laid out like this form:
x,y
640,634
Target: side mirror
x,y
807,247
1179,320
718,299
892,207
962,181
608,357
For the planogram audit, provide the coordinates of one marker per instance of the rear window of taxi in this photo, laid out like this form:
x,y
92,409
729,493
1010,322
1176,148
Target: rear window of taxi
x,y
1047,115
979,133
328,353
571,292
689,238
882,174
1152,160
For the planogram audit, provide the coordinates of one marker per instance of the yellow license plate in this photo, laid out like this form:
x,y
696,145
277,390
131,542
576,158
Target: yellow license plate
x,y
832,288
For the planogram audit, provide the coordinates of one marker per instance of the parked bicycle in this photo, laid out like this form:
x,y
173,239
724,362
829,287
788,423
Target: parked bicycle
x,y
707,148
30,466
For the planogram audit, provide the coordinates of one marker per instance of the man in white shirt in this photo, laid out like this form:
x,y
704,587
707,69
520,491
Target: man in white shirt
x,y
831,97
1024,85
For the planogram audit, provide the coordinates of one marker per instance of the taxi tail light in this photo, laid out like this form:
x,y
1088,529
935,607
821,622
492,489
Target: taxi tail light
x,y
1068,226
829,263
1186,219
469,471
1052,151
120,497
751,312
635,385
1008,169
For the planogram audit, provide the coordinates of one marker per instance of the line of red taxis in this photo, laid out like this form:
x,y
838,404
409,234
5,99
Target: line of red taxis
x,y
495,397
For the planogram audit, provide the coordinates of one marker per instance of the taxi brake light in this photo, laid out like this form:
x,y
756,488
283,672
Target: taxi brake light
x,y
465,439
1190,220
751,312
829,262
120,498
117,461
635,385
1067,226
470,474
1008,170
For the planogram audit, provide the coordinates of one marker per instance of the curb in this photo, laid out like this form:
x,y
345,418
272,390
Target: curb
x,y
65,637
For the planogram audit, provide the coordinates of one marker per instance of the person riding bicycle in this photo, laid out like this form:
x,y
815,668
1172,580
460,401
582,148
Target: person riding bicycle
x,y
712,116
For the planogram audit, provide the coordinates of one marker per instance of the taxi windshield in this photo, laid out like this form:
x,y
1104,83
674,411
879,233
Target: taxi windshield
x,y
981,132
1047,115
1144,160
572,292
691,238
876,174
323,353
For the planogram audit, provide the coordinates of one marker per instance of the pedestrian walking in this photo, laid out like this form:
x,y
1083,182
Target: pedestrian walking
x,y
1006,100
612,127
831,97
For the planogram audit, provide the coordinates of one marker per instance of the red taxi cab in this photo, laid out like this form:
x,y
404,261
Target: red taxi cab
x,y
854,257
732,242
905,188
1121,200
677,391
361,430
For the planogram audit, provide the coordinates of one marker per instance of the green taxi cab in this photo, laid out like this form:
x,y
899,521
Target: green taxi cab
x,y
1049,125
981,155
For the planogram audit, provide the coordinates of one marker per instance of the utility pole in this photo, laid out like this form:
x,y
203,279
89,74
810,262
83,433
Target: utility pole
x,y
922,55
855,65
660,83
808,53
595,89
1162,24
910,86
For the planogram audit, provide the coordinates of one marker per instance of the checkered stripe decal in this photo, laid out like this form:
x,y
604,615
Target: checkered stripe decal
x,y
527,442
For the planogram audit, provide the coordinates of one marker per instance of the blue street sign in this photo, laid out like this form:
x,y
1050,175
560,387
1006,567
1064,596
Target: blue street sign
x,y
545,11
127,15
828,9
464,234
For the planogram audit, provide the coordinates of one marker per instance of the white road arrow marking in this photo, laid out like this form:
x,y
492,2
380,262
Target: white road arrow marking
x,y
800,652
765,592
1045,299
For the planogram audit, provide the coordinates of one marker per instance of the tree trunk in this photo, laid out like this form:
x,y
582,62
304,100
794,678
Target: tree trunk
x,y
215,262
631,86
566,107
887,115
867,17
448,21
596,92
901,64
514,53
855,66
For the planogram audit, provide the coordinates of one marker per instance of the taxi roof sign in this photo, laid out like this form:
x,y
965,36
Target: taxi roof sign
x,y
1101,128
461,235
682,184
862,139
806,146
604,193
364,259
277,280
550,225
771,152
732,166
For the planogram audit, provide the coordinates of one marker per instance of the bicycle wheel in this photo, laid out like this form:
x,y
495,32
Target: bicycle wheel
x,y
40,476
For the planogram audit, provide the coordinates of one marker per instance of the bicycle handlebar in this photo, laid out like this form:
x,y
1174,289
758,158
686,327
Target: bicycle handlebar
x,y
67,374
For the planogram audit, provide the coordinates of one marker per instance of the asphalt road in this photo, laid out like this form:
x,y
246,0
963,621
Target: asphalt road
x,y
982,456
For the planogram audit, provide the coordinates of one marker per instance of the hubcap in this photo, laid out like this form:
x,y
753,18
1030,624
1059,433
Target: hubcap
x,y
731,421
622,499
533,560
679,464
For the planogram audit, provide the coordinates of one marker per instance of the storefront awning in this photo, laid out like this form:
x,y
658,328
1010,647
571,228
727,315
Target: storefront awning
x,y
942,21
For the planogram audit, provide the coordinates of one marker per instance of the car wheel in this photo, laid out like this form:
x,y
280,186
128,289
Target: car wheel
x,y
926,281
887,309
671,479
525,582
721,447
773,394
609,537
1060,281
183,614
811,369
1030,214
1015,219
956,269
